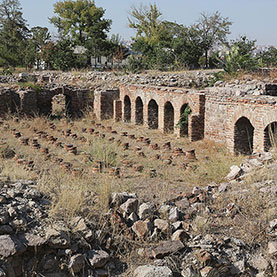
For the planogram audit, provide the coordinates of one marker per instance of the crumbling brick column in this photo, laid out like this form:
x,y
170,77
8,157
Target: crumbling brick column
x,y
117,110
59,105
177,129
161,118
104,103
28,102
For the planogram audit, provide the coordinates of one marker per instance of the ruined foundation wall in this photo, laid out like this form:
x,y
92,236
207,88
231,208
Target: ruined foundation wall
x,y
222,114
177,97
32,102
104,103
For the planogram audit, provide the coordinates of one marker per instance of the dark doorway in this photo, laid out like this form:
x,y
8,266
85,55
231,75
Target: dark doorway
x,y
243,136
153,114
139,111
168,118
270,139
184,120
127,109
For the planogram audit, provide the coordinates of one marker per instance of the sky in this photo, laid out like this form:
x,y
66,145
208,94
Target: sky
x,y
254,18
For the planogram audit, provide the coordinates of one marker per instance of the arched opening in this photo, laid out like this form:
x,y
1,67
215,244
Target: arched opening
x,y
184,120
127,109
68,105
139,111
168,118
153,114
270,139
243,136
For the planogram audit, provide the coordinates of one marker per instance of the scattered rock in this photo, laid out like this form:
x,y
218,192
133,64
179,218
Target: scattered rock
x,y
146,210
161,224
152,271
77,263
142,228
98,258
272,247
166,248
130,206
10,246
234,173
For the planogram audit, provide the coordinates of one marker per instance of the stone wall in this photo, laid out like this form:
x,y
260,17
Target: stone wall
x,y
32,102
223,115
161,108
239,120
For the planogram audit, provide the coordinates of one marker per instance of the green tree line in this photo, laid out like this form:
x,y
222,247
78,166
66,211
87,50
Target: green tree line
x,y
157,44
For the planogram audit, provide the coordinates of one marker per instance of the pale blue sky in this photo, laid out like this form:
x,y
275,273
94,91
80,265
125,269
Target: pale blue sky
x,y
255,18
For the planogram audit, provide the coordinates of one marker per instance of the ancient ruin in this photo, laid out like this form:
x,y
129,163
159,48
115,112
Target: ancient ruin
x,y
227,115
241,116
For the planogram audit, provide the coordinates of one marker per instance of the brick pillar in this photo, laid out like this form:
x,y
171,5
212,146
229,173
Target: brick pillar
x,y
177,130
161,118
117,110
258,140
196,127
97,105
133,112
145,115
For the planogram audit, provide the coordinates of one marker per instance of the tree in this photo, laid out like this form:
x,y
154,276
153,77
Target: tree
x,y
39,37
213,29
47,54
149,40
62,56
83,23
240,56
147,23
13,34
269,57
186,43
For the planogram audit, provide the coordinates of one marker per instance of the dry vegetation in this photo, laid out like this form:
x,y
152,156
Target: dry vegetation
x,y
243,212
69,188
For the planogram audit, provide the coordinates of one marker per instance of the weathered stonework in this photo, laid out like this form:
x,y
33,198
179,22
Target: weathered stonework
x,y
59,107
241,121
104,103
32,102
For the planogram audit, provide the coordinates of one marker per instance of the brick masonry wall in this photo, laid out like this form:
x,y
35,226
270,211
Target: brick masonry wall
x,y
161,95
31,102
222,114
104,103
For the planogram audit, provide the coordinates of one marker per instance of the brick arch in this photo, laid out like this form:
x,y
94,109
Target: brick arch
x,y
168,117
237,115
268,118
127,108
243,136
139,107
153,114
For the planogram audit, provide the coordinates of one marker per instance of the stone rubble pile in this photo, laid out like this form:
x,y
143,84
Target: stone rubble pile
x,y
196,79
32,244
241,88
172,236
176,242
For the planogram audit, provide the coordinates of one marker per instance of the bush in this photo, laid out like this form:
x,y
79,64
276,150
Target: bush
x,y
135,64
6,152
104,152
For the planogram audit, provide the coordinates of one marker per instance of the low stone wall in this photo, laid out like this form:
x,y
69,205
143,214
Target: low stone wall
x,y
31,102
222,114
153,107
228,115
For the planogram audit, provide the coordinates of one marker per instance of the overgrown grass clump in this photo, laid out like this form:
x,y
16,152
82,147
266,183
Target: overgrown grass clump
x,y
103,151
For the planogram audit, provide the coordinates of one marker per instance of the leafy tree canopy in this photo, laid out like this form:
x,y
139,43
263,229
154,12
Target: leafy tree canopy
x,y
213,29
80,20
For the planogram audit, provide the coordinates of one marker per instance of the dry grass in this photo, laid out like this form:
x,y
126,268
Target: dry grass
x,y
91,190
